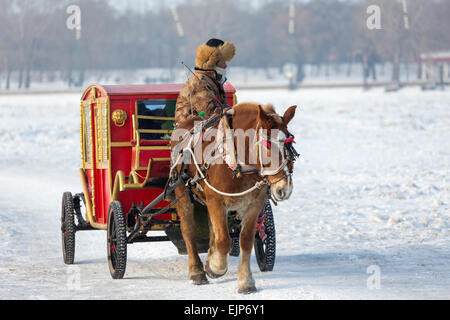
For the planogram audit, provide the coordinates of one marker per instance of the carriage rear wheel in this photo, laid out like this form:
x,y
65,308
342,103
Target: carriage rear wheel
x,y
68,228
116,240
265,248
235,249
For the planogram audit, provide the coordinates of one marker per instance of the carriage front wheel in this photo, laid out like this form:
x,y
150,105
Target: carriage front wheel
x,y
116,240
264,243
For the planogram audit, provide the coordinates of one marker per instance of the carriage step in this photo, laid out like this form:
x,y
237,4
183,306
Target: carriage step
x,y
84,227
150,239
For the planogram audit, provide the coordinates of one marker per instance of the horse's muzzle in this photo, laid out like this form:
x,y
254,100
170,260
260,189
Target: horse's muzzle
x,y
281,190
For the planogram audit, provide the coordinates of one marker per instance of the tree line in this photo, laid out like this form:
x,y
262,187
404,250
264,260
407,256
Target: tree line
x,y
34,37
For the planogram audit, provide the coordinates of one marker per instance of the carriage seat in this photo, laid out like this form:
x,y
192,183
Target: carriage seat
x,y
151,158
145,142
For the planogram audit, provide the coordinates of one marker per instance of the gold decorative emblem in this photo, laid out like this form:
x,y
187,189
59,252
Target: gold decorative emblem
x,y
119,117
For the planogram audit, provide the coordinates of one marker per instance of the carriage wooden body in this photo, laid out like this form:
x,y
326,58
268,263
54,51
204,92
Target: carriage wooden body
x,y
125,151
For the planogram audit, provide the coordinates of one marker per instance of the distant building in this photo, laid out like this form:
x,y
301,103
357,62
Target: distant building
x,y
435,69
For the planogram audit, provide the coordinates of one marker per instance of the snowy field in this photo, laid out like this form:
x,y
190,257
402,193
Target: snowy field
x,y
371,202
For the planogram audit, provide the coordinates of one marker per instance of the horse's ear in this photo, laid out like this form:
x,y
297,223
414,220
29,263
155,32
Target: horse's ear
x,y
262,115
289,114
266,121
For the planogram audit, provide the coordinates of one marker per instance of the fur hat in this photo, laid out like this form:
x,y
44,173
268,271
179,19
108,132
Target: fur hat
x,y
213,51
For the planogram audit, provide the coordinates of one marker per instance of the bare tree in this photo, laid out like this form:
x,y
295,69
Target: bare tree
x,y
31,22
34,36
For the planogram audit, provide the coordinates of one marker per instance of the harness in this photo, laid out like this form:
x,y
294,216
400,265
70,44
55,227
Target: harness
x,y
185,148
193,138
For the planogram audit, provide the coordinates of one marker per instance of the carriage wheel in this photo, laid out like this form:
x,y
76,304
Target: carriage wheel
x,y
68,228
116,240
234,225
235,249
265,248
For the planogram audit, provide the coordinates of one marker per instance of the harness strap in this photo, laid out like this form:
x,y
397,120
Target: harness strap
x,y
258,185
238,170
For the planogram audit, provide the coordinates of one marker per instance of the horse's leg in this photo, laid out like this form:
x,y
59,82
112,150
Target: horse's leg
x,y
212,238
220,245
246,284
185,209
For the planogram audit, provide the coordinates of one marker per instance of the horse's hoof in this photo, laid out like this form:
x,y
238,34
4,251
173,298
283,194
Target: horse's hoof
x,y
212,274
247,290
199,279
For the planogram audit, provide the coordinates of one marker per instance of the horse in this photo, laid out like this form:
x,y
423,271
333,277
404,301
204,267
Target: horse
x,y
223,190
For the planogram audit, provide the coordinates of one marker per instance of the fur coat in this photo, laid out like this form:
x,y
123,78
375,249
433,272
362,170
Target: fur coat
x,y
199,94
202,90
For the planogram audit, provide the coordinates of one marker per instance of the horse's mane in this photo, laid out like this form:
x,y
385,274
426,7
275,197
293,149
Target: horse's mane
x,y
248,107
268,109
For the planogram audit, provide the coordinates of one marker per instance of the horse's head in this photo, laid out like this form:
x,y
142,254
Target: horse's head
x,y
276,154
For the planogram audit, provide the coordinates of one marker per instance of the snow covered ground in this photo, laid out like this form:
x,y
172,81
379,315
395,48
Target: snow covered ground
x,y
369,216
335,74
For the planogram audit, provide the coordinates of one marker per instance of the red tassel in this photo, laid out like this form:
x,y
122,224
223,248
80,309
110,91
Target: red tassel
x,y
290,139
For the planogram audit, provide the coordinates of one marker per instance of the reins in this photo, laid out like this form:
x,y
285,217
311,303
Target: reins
x,y
258,184
263,173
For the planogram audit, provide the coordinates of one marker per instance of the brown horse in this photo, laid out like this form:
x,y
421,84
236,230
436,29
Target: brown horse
x,y
223,191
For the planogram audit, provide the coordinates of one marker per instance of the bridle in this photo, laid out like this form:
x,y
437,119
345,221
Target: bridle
x,y
286,149
288,154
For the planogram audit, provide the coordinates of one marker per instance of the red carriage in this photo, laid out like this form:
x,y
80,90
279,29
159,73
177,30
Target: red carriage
x,y
125,156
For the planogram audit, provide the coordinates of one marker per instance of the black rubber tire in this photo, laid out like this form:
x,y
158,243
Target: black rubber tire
x,y
235,248
116,240
265,250
68,228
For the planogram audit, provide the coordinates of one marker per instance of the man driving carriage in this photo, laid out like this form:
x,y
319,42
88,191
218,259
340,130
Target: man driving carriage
x,y
203,91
